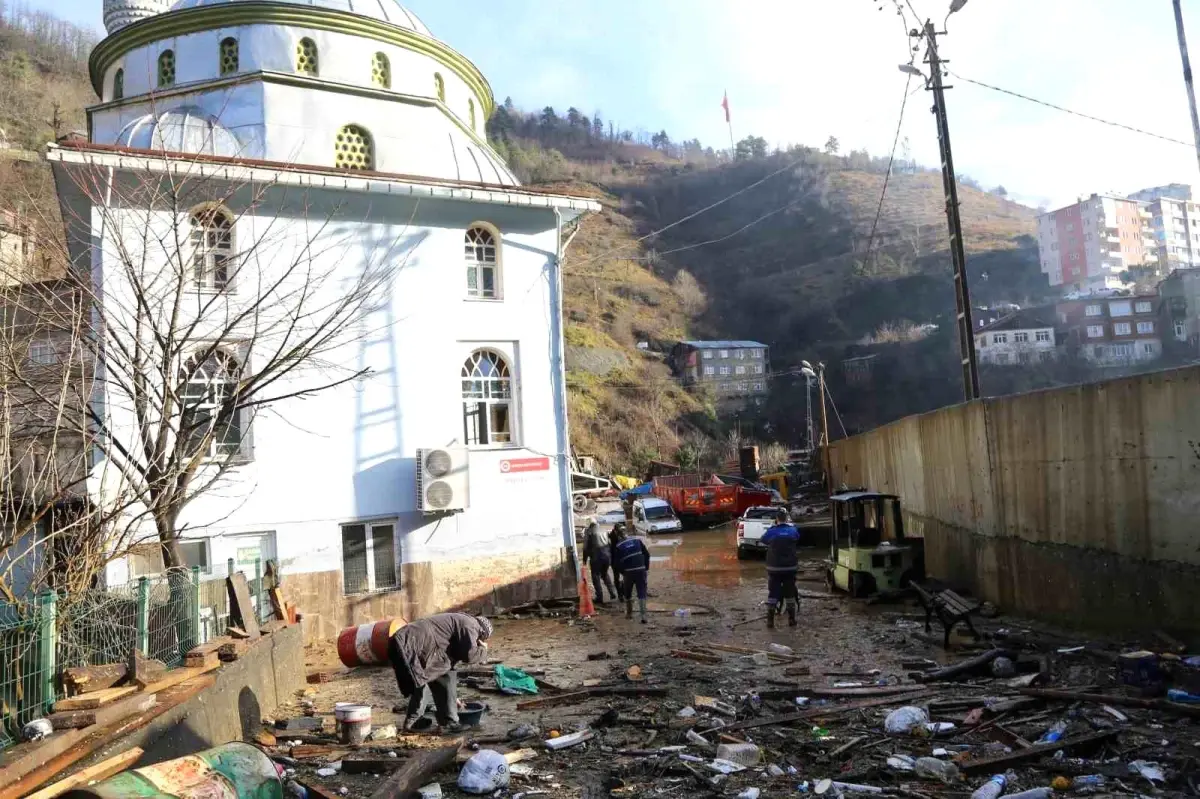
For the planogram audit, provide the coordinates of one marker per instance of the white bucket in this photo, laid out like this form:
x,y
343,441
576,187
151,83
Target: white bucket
x,y
353,722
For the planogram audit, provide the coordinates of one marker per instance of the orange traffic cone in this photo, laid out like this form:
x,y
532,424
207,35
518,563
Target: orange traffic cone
x,y
586,608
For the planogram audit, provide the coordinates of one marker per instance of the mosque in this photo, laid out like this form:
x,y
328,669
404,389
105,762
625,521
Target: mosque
x,y
341,134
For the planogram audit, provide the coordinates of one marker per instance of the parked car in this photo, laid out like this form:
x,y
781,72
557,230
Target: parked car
x,y
654,515
750,530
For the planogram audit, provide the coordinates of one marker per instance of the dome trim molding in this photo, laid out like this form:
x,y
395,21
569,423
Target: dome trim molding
x,y
204,18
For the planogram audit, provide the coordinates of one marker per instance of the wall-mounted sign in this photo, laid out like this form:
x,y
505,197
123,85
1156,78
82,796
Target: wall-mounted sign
x,y
518,465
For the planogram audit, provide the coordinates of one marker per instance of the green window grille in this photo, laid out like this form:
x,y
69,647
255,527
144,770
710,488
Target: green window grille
x,y
306,57
229,56
355,150
440,85
118,84
381,71
166,68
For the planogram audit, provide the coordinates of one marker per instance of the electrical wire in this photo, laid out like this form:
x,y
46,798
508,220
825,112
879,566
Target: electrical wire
x,y
888,175
1065,110
833,404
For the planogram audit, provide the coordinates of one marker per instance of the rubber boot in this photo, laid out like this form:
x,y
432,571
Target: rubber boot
x,y
629,608
642,609
770,617
791,611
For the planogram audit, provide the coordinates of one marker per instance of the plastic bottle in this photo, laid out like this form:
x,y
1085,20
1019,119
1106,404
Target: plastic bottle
x,y
1032,793
932,768
683,613
1176,695
992,788
1088,781
1055,733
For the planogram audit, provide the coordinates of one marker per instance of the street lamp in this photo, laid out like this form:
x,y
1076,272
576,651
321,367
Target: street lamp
x,y
957,5
808,370
909,69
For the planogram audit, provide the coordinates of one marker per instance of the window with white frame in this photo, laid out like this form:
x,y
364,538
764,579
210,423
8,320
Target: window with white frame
x,y
758,386
483,264
212,249
758,353
1045,356
741,385
706,355
1122,329
146,559
1122,308
1093,310
708,370
1180,331
487,395
1042,335
758,370
43,353
1143,306
1001,357
369,557
1149,348
724,370
741,355
1095,331
999,338
211,419
1145,328
1121,350
724,353
741,370
1020,337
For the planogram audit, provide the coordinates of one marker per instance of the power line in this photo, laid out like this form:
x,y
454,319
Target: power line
x,y
1065,110
888,175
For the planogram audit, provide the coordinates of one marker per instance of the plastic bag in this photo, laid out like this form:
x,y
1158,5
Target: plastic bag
x,y
903,720
514,681
485,772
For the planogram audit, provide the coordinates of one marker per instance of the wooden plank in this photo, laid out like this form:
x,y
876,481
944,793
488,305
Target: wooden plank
x,y
416,772
700,657
100,738
870,690
94,700
232,650
370,765
86,679
100,771
177,676
556,701
26,759
821,712
144,670
202,661
241,610
74,719
743,650
997,763
237,632
278,607
1111,699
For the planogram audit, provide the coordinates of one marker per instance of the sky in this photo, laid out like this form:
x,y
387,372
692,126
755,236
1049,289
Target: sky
x,y
799,71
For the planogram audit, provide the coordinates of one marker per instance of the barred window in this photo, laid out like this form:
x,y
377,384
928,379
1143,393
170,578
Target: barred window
x,y
166,68
306,57
354,148
118,91
381,71
229,56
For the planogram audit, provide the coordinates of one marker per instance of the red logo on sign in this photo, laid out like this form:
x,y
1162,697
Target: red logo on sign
x,y
525,465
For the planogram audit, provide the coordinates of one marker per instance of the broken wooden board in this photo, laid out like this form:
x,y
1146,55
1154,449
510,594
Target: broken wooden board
x,y
206,653
94,773
86,679
744,650
143,670
237,632
93,700
278,606
176,676
25,759
241,609
232,650
1111,699
821,712
867,690
416,771
699,657
76,719
589,693
999,762
371,765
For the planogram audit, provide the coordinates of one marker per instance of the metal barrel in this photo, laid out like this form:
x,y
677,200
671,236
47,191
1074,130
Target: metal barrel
x,y
367,644
232,771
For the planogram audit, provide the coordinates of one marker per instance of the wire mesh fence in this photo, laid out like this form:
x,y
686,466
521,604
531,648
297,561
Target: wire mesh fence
x,y
26,666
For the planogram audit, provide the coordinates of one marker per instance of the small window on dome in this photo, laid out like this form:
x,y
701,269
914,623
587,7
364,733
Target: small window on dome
x,y
440,85
118,84
354,148
166,68
471,112
229,56
306,57
381,71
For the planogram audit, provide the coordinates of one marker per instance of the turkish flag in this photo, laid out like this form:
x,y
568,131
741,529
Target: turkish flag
x,y
725,105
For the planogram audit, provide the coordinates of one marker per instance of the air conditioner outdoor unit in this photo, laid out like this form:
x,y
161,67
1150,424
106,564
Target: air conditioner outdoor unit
x,y
442,480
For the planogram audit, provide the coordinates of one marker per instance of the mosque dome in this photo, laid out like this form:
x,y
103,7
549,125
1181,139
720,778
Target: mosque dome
x,y
187,129
384,10
119,13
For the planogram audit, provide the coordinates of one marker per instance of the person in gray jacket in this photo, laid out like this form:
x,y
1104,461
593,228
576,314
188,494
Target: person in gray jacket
x,y
595,551
782,540
424,654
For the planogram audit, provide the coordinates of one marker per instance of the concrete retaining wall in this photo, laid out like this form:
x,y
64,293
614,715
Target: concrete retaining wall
x,y
1080,503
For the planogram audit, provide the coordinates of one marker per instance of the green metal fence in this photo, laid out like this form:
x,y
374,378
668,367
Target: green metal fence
x,y
27,668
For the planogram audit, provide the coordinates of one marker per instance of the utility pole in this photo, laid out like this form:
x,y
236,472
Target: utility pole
x,y
825,430
1187,75
962,294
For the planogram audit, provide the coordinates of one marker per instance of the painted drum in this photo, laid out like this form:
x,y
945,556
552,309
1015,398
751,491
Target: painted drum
x,y
232,771
367,644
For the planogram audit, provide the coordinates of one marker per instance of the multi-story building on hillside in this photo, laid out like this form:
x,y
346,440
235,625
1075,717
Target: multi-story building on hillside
x,y
1113,331
1175,228
1180,308
1022,337
1172,191
1086,246
735,371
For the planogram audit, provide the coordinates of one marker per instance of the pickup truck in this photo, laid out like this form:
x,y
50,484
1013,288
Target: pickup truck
x,y
750,529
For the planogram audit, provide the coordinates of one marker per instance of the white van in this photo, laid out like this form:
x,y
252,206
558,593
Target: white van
x,y
654,515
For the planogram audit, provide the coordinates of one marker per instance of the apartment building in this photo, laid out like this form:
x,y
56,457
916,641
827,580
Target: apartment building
x,y
1180,308
1023,337
1113,331
737,372
1175,227
1086,246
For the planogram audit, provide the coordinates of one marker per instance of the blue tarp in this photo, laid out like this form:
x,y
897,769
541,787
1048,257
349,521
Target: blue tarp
x,y
643,490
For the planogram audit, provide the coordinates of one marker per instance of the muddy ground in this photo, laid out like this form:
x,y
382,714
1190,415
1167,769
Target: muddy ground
x,y
837,637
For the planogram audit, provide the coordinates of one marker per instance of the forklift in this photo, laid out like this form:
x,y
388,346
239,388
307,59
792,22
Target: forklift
x,y
868,551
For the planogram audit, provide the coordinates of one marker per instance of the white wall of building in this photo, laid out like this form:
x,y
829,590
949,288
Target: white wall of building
x,y
1015,347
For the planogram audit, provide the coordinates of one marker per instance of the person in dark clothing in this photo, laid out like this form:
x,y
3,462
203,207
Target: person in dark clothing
x,y
782,540
423,655
596,551
631,560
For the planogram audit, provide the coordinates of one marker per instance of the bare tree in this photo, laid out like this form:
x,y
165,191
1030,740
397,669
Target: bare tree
x,y
690,292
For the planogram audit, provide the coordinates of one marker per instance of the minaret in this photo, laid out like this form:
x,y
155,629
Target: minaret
x,y
119,13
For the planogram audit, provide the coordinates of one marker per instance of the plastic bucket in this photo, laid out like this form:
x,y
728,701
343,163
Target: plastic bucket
x,y
367,644
353,722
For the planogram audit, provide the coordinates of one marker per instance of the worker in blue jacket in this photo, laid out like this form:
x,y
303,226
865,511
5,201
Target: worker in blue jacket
x,y
783,560
631,560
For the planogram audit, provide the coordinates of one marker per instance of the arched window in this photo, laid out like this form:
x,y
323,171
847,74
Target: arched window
x,y
211,423
166,68
471,112
229,56
212,249
483,264
381,71
487,400
440,85
354,148
306,57
118,84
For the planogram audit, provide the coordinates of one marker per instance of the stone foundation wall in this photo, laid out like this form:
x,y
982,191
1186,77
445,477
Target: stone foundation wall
x,y
478,585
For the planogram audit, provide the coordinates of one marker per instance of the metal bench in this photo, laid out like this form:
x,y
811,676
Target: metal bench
x,y
950,609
